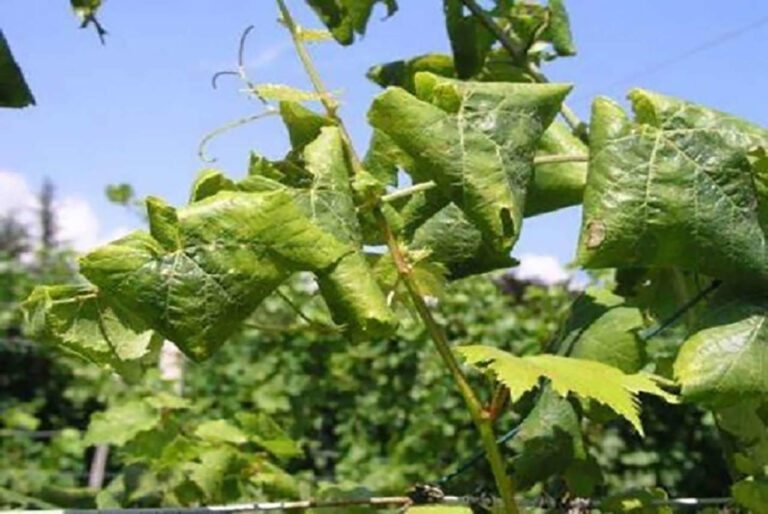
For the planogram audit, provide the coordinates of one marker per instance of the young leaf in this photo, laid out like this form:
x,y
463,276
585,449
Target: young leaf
x,y
78,320
568,375
345,18
727,358
14,91
475,140
673,189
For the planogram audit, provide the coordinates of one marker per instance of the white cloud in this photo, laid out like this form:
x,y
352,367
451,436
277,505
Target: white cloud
x,y
77,223
541,269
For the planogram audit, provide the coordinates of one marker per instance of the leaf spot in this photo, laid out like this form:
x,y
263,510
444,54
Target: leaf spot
x,y
595,233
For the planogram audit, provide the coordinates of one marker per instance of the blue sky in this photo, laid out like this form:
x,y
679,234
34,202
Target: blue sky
x,y
135,109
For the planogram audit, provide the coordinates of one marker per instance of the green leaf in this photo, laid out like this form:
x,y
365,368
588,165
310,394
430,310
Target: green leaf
x,y
345,18
402,73
205,267
197,294
672,189
121,194
548,441
752,495
455,243
559,29
304,125
475,140
263,430
602,328
471,41
557,185
220,431
121,423
568,375
215,466
498,67
78,320
14,91
726,359
743,429
208,183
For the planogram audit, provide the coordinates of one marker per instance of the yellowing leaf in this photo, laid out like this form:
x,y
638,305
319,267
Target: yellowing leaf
x,y
589,379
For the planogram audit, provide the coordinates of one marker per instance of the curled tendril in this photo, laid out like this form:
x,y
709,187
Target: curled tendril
x,y
228,126
240,71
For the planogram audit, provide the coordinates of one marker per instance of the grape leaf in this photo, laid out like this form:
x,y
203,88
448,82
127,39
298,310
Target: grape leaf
x,y
726,359
475,140
439,509
742,427
220,431
559,29
602,328
673,189
752,495
121,423
345,18
14,91
205,267
548,441
471,41
78,320
521,374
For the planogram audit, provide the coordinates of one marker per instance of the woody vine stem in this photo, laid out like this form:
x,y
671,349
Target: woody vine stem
x,y
482,417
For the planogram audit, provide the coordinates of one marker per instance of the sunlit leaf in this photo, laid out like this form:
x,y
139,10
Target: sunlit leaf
x,y
475,140
121,423
79,320
673,188
568,375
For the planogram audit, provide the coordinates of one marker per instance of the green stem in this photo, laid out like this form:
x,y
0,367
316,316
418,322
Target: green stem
x,y
479,416
483,421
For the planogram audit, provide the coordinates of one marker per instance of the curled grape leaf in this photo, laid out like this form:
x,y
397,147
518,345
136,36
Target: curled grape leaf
x,y
204,268
674,188
14,91
726,359
475,140
568,375
80,321
345,18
